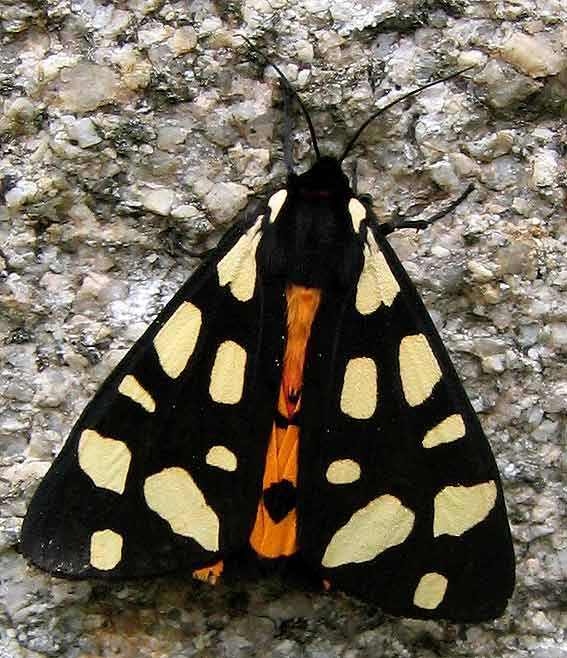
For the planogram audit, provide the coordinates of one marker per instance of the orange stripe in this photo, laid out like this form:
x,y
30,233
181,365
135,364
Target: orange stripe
x,y
271,539
210,574
302,305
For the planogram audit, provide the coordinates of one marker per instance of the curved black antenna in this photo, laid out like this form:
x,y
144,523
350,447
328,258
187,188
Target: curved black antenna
x,y
292,91
376,114
287,145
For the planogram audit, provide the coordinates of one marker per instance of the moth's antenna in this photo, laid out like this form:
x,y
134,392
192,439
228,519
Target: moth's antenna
x,y
291,90
398,100
287,145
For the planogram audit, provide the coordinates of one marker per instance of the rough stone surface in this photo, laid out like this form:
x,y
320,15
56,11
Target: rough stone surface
x,y
130,132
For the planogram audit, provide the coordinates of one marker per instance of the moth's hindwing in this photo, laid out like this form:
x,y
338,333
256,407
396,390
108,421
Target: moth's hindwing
x,y
399,497
164,468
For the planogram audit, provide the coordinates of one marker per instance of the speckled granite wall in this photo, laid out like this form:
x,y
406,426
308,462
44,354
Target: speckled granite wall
x,y
132,132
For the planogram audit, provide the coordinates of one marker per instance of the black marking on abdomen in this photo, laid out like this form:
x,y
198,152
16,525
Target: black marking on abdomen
x,y
279,500
281,421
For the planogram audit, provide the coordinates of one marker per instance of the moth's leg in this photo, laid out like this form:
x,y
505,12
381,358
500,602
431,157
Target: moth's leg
x,y
354,181
202,255
419,224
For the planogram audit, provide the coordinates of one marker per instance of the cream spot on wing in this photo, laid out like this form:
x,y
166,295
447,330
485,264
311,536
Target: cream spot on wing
x,y
430,591
176,340
357,213
377,284
360,388
276,203
173,494
419,369
131,388
448,430
222,457
383,523
238,266
227,375
106,461
343,471
106,549
457,509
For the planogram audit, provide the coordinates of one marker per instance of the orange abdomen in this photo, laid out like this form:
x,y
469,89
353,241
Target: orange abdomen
x,y
275,530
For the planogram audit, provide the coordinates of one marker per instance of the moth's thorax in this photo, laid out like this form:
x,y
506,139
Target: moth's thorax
x,y
313,235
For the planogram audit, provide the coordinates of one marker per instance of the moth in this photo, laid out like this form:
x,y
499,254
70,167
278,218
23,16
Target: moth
x,y
294,397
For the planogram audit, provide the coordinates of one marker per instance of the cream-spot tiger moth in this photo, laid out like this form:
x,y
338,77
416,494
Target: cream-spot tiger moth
x,y
293,398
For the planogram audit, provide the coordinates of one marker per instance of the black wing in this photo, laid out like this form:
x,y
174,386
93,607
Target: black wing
x,y
163,470
399,498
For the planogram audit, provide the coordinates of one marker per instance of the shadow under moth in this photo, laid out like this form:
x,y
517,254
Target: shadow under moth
x,y
295,398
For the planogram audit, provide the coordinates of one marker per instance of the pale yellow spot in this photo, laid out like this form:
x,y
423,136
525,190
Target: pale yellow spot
x,y
419,369
276,203
106,549
357,213
383,523
360,388
448,430
227,376
343,471
173,494
430,591
222,457
376,284
176,340
457,509
105,461
131,388
238,266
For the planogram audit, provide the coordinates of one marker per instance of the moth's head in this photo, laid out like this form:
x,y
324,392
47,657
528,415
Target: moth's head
x,y
325,179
